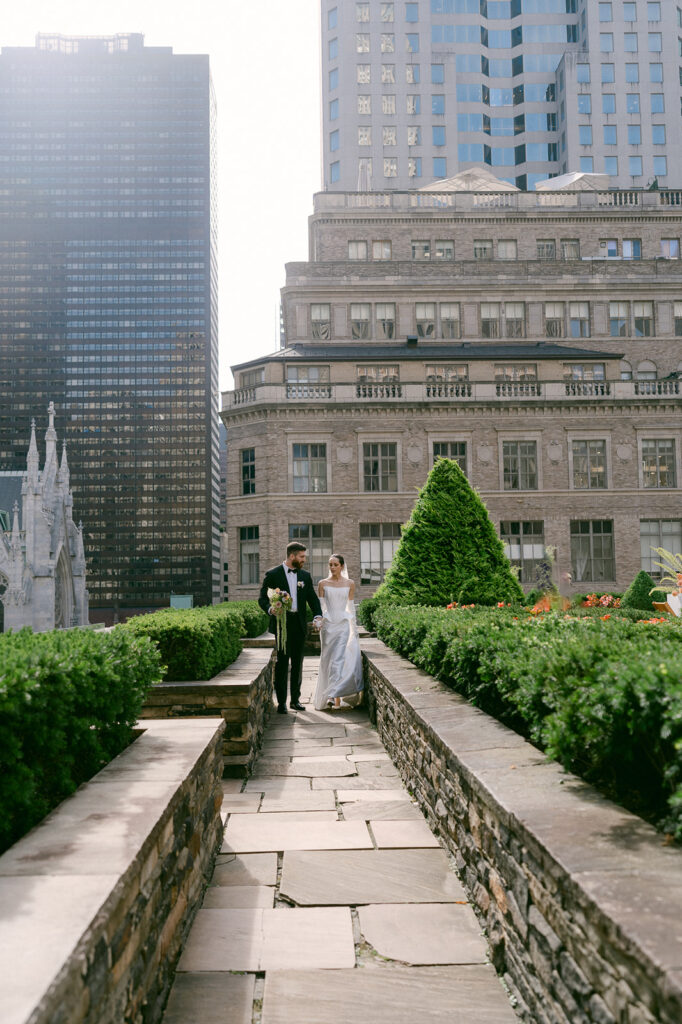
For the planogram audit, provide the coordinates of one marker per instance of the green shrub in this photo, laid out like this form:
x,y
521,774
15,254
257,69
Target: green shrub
x,y
68,702
638,593
449,550
366,610
604,697
199,643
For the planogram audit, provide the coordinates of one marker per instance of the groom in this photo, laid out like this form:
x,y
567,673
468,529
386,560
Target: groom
x,y
291,577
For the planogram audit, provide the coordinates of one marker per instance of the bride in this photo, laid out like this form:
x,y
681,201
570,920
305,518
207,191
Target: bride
x,y
340,660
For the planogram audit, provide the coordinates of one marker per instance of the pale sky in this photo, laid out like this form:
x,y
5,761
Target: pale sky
x,y
265,66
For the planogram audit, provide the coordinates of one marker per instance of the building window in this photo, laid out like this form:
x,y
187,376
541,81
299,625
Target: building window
x,y
658,463
321,321
643,317
251,378
333,111
362,42
632,249
446,373
483,248
524,544
381,250
387,42
608,103
389,135
634,135
546,249
438,104
490,319
364,104
570,249
390,167
413,105
357,250
388,74
587,164
592,550
437,74
670,248
388,103
506,249
426,319
412,74
414,135
579,319
585,134
364,135
611,166
362,12
421,250
605,12
455,450
335,171
584,371
333,79
378,544
583,73
359,320
249,562
629,12
380,466
333,49
514,320
520,465
444,250
318,539
635,166
655,42
658,533
309,468
619,319
632,73
332,18
248,470
584,103
307,381
414,167
440,167
438,135
554,319
606,42
363,74
524,372
589,465
610,135
660,166
610,247
677,317
656,73
412,12
381,373
387,12
449,320
385,320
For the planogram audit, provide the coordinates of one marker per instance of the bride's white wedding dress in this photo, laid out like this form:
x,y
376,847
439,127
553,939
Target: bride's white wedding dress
x,y
340,659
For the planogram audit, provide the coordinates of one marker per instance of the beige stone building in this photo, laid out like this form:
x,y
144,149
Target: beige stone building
x,y
534,337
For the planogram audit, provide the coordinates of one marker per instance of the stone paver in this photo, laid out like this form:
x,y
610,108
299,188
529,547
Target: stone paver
x,y
328,806
440,995
424,933
211,998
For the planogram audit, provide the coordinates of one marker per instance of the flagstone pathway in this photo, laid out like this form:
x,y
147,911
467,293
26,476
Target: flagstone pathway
x,y
331,900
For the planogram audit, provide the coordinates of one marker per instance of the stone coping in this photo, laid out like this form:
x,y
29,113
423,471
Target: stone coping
x,y
240,673
611,864
62,882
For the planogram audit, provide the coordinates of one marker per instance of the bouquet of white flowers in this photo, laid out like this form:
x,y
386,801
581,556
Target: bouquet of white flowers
x,y
280,604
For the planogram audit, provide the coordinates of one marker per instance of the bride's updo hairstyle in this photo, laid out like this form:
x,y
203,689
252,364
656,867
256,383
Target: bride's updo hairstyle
x,y
340,559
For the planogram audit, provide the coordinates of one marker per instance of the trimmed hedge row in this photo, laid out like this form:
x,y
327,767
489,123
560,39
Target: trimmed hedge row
x,y
68,704
198,644
602,697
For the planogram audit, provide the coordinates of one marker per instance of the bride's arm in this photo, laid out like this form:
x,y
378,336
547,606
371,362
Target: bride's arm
x,y
351,592
320,588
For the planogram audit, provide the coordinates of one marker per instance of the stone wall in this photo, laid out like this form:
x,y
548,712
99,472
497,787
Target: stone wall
x,y
97,901
241,695
581,900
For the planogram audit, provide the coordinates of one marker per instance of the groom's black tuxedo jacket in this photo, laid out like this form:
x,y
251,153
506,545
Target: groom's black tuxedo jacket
x,y
277,577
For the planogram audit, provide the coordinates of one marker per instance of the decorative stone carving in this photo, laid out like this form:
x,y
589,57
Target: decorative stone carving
x,y
415,453
624,452
485,453
555,451
344,454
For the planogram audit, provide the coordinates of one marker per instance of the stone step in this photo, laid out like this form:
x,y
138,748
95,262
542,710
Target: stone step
x,y
266,640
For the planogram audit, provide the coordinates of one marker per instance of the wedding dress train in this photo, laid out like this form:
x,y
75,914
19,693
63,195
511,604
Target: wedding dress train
x,y
340,659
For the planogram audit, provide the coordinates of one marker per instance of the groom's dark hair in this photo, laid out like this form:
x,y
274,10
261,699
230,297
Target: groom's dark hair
x,y
295,546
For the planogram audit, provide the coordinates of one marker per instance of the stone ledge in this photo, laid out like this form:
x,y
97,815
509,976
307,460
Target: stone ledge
x,y
241,694
96,901
582,900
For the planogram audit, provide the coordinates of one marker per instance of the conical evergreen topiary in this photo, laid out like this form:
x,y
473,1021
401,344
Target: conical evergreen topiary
x,y
637,595
449,550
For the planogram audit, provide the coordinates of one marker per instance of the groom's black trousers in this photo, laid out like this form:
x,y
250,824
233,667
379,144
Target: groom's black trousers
x,y
293,654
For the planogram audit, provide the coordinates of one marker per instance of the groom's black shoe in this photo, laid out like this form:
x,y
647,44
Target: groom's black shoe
x,y
297,706
281,709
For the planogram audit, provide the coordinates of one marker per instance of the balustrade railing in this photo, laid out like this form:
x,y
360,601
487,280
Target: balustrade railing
x,y
397,200
454,391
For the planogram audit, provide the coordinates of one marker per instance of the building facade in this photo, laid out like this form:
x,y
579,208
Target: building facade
x,y
536,338
42,561
108,301
418,91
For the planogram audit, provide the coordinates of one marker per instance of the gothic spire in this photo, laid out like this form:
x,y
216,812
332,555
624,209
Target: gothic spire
x,y
32,460
50,438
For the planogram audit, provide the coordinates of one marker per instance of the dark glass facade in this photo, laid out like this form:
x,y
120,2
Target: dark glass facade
x,y
108,302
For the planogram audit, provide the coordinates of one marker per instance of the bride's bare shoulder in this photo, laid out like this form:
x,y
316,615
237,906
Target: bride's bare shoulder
x,y
351,582
321,584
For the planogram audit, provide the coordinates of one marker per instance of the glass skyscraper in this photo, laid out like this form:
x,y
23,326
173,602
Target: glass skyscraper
x,y
418,90
108,302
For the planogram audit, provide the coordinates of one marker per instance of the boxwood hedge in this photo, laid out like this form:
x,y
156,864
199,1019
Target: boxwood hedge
x,y
602,695
68,703
198,644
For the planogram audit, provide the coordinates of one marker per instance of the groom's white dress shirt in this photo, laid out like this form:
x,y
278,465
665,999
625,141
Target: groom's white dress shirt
x,y
292,580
